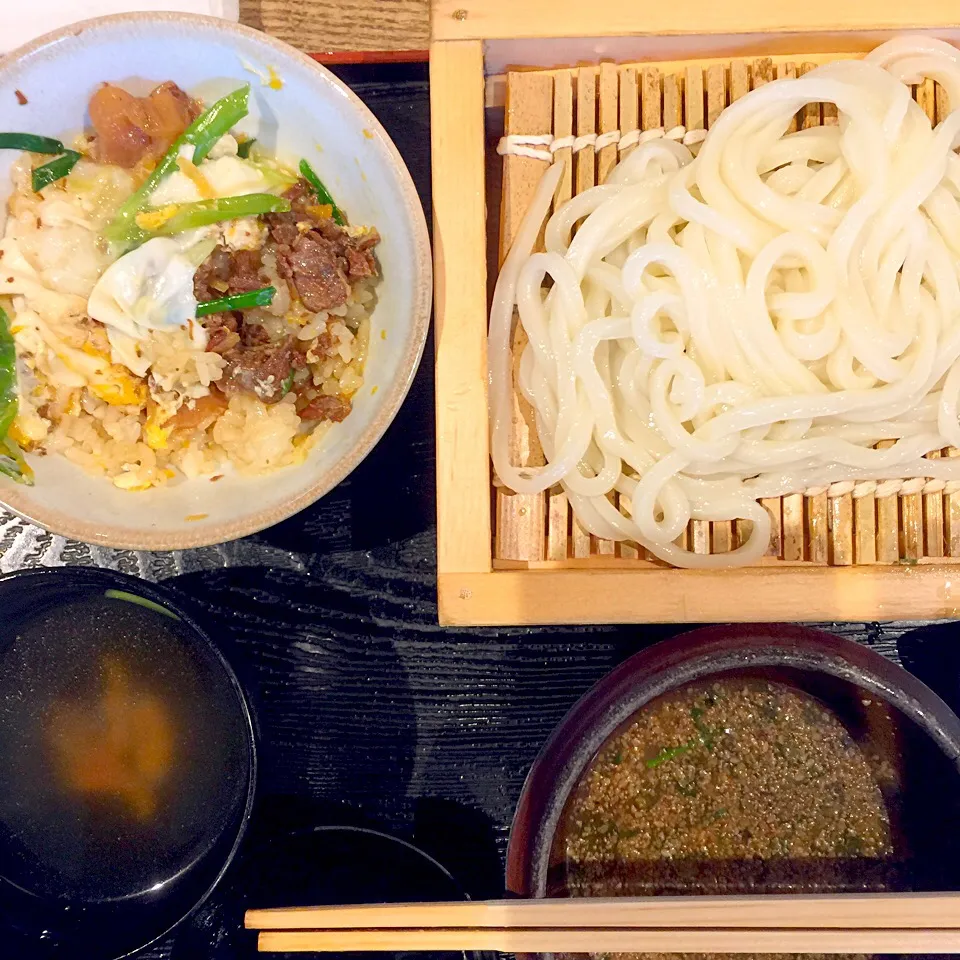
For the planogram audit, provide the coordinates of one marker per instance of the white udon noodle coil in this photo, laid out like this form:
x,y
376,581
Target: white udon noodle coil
x,y
748,323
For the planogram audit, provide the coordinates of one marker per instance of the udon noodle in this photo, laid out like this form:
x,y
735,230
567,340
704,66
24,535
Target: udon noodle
x,y
747,322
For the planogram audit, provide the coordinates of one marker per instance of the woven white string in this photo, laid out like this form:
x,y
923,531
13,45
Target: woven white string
x,y
543,146
869,488
885,488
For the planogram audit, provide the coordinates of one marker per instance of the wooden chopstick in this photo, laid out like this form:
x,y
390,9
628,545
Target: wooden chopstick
x,y
867,923
879,911
616,941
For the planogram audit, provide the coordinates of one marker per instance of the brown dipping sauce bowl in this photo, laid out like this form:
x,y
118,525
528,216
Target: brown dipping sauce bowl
x,y
881,705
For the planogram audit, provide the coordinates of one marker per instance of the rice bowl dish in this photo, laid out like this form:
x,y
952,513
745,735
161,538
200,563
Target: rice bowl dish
x,y
374,339
179,300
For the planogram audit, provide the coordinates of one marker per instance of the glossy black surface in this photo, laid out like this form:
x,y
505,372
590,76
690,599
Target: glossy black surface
x,y
313,867
369,713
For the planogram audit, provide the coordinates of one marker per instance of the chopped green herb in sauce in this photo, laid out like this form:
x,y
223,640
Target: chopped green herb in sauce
x,y
727,786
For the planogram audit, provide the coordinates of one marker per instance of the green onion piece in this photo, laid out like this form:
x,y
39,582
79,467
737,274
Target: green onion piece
x,y
668,753
323,194
139,601
55,170
123,228
211,125
13,464
243,148
238,301
30,141
8,375
287,384
202,213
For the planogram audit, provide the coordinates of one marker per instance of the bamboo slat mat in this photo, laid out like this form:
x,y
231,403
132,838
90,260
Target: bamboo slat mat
x,y
811,530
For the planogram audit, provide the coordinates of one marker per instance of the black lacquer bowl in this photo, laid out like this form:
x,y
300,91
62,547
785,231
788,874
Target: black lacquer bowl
x,y
884,708
127,764
313,867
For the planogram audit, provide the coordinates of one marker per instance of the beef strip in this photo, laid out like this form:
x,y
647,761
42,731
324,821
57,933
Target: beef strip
x,y
222,341
315,254
283,228
254,335
246,275
313,265
360,264
223,331
261,370
301,195
227,272
326,408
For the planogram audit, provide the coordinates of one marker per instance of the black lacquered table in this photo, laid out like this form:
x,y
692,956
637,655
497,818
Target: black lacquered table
x,y
369,713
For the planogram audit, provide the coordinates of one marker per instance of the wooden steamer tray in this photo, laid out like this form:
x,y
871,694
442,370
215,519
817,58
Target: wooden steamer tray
x,y
505,558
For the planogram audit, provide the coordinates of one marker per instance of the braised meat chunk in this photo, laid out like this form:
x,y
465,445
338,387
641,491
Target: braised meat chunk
x,y
132,129
263,370
319,258
227,272
326,408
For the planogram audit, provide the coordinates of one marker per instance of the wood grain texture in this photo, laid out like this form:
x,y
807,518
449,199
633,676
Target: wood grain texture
x,y
459,238
558,509
877,911
584,177
347,25
520,527
493,19
617,941
552,594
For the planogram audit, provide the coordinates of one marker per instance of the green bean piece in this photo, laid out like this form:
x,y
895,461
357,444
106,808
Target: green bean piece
x,y
323,194
238,301
202,213
48,173
668,753
123,229
12,462
31,142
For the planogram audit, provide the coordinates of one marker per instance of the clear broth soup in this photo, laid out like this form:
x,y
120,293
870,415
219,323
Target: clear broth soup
x,y
123,750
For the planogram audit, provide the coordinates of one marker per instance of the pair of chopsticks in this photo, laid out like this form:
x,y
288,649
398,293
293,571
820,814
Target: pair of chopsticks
x,y
859,923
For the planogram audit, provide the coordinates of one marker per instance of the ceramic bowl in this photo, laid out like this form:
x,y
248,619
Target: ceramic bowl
x,y
888,712
311,115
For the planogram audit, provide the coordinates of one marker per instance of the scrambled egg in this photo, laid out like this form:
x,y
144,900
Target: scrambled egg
x,y
225,175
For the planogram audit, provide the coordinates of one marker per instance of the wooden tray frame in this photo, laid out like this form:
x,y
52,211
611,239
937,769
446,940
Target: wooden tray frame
x,y
473,589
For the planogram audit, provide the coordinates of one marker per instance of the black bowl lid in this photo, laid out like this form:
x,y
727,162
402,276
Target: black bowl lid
x,y
314,867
